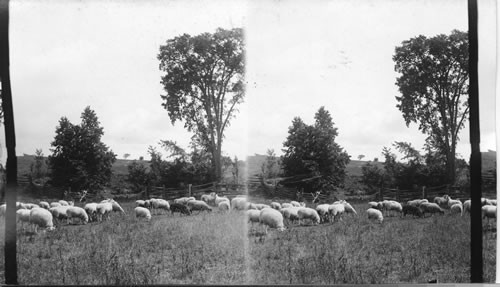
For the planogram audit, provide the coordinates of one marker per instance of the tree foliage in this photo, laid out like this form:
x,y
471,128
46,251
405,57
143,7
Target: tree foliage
x,y
80,160
38,168
204,84
434,83
270,168
312,150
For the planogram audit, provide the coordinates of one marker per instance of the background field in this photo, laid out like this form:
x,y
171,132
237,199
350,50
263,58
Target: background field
x,y
216,249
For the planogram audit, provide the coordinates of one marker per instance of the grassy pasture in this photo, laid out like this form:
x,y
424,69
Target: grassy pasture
x,y
217,249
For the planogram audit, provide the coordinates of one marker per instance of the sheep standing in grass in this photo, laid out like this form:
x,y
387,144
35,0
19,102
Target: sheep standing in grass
x,y
295,203
452,202
198,205
41,218
457,208
271,218
290,213
23,215
104,210
335,211
286,205
261,206
375,214
442,201
466,206
180,208
44,204
253,216
91,209
308,213
224,206
78,213
63,202
322,210
275,205
55,204
239,203
413,210
163,205
489,211
219,199
416,202
348,208
59,213
209,198
142,212
140,203
432,208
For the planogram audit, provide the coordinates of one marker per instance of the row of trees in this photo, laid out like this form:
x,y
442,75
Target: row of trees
x,y
204,83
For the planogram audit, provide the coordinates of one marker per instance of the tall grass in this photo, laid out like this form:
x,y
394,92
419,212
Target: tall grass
x,y
217,249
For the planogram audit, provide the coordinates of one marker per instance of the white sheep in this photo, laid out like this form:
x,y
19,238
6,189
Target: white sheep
x,y
466,206
335,211
275,205
239,203
295,203
457,208
23,215
20,205
308,213
251,205
116,207
349,209
77,212
429,207
290,213
286,205
375,214
59,212
103,210
271,218
140,203
452,202
219,199
31,205
198,205
489,211
416,202
442,201
253,216
91,209
391,205
163,205
142,212
55,204
208,198
224,206
261,206
64,202
41,218
44,204
322,210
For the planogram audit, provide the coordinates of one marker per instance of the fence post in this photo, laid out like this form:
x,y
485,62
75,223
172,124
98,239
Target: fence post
x,y
189,189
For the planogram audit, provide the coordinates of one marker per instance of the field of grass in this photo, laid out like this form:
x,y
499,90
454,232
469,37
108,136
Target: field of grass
x,y
217,249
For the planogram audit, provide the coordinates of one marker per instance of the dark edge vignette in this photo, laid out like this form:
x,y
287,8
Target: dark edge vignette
x,y
475,157
10,249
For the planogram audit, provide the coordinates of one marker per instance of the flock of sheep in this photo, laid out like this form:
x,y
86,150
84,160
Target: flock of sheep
x,y
272,215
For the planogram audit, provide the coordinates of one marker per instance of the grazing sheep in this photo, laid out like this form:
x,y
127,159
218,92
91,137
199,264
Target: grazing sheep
x,y
322,210
239,203
493,202
253,215
20,205
59,212
55,204
442,201
183,200
140,203
63,202
295,203
308,213
457,208
348,208
198,205
41,218
142,212
275,205
429,207
391,205
224,205
452,202
91,209
416,202
77,212
335,211
373,204
147,203
413,210
30,205
271,218
290,213
466,206
261,206
163,205
116,207
103,210
181,208
375,214
489,211
250,205
208,198
44,204
23,215
219,199
286,205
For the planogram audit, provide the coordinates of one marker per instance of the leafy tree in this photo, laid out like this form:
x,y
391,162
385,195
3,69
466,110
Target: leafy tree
x,y
127,155
235,170
373,176
137,176
269,168
361,156
38,168
312,150
434,85
204,84
79,159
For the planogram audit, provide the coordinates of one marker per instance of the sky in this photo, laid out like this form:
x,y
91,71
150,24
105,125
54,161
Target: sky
x,y
301,55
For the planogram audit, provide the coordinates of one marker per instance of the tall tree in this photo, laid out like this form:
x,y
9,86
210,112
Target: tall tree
x,y
311,149
434,85
203,79
79,159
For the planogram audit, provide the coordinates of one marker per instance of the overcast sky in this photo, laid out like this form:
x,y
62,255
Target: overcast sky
x,y
66,55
